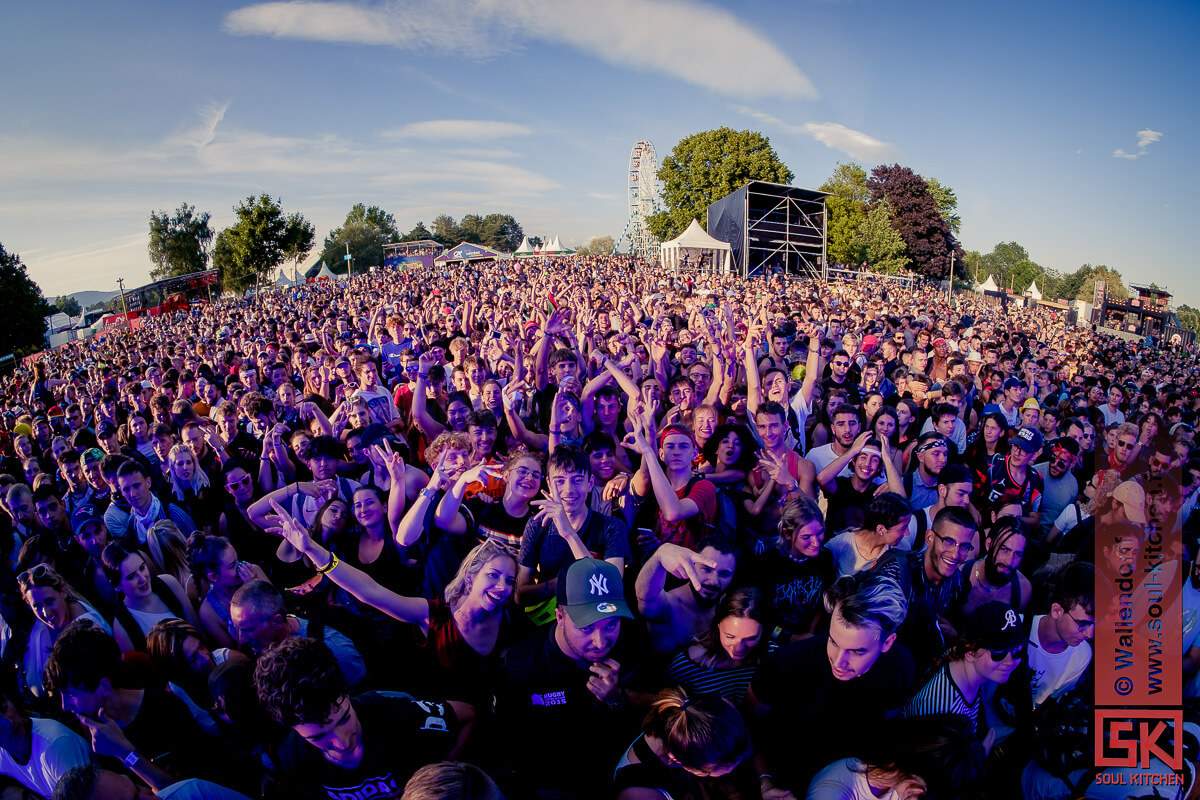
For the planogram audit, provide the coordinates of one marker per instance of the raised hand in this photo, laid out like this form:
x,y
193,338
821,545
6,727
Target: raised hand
x,y
684,563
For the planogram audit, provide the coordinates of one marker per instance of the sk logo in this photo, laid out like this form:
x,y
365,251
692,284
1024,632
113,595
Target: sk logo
x,y
1010,620
598,584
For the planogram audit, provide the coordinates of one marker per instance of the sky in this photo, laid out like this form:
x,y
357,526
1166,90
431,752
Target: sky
x,y
1067,127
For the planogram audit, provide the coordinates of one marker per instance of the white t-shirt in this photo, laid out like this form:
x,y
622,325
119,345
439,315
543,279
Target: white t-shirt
x,y
1112,417
843,780
1054,672
821,457
54,750
802,410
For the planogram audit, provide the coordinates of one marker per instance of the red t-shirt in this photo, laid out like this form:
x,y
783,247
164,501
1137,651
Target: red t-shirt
x,y
688,532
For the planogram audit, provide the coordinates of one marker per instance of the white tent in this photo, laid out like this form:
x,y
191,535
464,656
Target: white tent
x,y
1033,291
987,286
326,272
526,249
692,240
283,279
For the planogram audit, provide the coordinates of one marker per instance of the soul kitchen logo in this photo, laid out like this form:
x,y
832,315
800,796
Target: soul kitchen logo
x,y
1132,739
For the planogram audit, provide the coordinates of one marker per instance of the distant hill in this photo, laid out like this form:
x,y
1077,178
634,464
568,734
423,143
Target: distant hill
x,y
86,299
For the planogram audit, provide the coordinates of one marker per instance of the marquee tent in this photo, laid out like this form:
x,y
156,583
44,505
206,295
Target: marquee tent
x,y
466,251
987,286
526,249
696,242
554,248
1033,291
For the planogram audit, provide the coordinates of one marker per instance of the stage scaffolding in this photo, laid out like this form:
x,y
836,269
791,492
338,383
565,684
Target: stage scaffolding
x,y
772,227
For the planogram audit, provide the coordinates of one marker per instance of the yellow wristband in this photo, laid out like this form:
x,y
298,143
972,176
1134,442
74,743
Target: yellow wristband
x,y
328,568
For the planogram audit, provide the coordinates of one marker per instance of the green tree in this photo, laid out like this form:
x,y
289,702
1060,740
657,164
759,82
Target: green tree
x,y
1114,285
366,230
881,245
418,233
446,230
848,182
706,166
299,236
1190,317
974,266
846,218
67,305
179,242
254,246
22,308
597,246
947,203
1009,263
501,232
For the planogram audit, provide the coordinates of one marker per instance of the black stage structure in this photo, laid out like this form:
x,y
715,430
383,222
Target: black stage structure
x,y
772,227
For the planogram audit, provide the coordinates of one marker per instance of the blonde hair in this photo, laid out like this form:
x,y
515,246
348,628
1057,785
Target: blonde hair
x,y
199,477
167,549
460,585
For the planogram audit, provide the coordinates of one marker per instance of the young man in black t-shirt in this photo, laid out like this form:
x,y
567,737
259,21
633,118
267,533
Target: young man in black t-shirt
x,y
343,746
814,698
564,700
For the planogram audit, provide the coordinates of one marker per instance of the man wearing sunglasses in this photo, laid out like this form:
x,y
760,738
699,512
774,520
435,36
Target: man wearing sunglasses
x,y
1059,652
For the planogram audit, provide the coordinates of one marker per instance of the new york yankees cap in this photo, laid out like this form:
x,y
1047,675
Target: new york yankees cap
x,y
591,590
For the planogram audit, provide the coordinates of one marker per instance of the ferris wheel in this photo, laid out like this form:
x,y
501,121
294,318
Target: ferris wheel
x,y
643,200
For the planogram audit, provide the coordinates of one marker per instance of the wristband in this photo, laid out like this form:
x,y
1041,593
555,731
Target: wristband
x,y
328,568
429,492
132,759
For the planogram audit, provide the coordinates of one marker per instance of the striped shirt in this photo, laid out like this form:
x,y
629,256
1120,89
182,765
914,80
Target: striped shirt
x,y
730,683
941,695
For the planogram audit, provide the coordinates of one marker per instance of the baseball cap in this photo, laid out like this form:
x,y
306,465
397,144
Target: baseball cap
x,y
1133,498
1029,439
592,590
83,517
994,626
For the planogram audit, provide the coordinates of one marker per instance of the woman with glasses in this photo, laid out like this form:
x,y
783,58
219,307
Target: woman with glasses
x,y
503,522
990,647
55,605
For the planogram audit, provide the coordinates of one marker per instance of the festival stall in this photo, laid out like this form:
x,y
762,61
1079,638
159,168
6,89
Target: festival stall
x,y
693,247
467,251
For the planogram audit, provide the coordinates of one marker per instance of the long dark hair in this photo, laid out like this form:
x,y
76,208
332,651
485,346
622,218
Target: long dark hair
x,y
746,603
745,459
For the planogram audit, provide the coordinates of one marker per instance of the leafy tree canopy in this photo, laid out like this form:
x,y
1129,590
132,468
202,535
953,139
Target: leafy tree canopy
x,y
365,231
67,305
22,308
254,246
597,246
706,166
179,242
928,240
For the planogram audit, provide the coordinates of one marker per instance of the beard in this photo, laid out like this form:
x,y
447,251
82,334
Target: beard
x,y
992,573
702,600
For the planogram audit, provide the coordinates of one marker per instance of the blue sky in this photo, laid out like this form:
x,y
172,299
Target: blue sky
x,y
1068,127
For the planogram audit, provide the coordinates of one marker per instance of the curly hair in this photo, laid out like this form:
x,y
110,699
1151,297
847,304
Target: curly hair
x,y
298,681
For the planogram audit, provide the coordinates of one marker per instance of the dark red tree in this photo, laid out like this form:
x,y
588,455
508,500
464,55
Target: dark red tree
x,y
927,237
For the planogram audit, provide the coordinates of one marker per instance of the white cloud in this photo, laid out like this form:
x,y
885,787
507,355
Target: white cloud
x,y
855,143
831,134
458,129
1145,138
691,41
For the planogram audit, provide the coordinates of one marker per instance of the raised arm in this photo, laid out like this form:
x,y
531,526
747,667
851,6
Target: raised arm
x,y
420,403
668,559
413,610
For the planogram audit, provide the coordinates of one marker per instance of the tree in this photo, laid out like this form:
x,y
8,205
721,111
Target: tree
x,y
501,232
1190,317
947,203
848,182
846,218
882,247
446,230
254,246
1114,285
417,234
1009,263
179,242
928,241
67,305
366,230
22,308
597,246
706,166
299,235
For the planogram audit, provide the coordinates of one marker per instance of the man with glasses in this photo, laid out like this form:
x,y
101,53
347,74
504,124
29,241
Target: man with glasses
x,y
840,378
933,579
1059,652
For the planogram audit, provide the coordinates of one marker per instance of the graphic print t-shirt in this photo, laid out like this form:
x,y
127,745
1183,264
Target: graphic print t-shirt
x,y
400,734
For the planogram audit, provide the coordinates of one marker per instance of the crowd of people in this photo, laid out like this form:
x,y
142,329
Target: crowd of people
x,y
581,529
